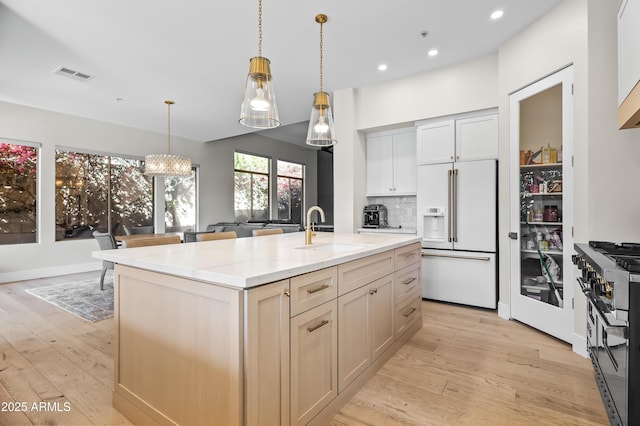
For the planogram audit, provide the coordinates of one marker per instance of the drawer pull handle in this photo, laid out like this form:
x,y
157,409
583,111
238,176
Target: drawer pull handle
x,y
317,289
287,293
317,326
412,310
405,255
409,281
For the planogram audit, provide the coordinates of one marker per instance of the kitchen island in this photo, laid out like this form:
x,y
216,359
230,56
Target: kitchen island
x,y
259,330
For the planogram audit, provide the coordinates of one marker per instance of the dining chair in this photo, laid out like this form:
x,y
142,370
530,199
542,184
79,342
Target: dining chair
x,y
105,242
151,241
270,231
211,236
132,230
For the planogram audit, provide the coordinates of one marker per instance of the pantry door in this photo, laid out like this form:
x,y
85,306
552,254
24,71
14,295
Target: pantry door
x,y
541,204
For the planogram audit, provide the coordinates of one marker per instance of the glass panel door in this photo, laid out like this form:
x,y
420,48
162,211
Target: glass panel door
x,y
541,126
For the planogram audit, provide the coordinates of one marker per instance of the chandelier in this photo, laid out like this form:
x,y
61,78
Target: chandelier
x,y
167,164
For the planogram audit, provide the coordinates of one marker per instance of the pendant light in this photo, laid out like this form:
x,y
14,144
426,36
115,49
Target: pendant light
x,y
321,131
167,164
259,102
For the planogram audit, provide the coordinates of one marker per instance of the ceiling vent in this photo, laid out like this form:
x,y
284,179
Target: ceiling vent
x,y
76,75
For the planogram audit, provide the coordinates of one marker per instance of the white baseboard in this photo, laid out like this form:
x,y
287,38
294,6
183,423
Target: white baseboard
x,y
504,311
580,345
33,274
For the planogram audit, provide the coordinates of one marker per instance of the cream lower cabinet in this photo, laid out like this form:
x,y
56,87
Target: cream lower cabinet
x,y
266,355
314,342
365,329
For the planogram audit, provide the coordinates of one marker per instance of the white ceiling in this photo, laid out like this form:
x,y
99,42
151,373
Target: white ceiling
x,y
197,52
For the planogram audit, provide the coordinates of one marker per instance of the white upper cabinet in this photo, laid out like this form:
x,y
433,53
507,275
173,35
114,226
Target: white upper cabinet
x,y
628,42
467,138
436,142
628,64
391,163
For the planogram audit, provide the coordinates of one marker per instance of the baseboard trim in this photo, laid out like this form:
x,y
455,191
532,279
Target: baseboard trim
x,y
579,345
33,274
504,311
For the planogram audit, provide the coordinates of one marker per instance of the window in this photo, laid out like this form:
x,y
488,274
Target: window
x,y
180,203
18,185
290,180
100,192
251,187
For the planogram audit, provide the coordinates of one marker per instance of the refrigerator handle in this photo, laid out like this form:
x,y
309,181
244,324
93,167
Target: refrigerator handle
x,y
455,205
450,212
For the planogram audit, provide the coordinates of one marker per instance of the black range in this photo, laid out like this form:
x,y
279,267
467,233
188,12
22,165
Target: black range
x,y
610,279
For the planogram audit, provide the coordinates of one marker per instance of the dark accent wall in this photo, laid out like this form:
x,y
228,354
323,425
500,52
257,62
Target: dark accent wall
x,y
325,184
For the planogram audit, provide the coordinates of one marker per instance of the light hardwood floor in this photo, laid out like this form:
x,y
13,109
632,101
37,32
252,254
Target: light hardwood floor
x,y
466,366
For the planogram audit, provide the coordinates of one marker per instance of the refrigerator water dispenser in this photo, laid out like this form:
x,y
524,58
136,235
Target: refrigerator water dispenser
x,y
433,224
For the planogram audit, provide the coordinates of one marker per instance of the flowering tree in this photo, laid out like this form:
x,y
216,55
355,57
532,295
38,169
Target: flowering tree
x,y
18,166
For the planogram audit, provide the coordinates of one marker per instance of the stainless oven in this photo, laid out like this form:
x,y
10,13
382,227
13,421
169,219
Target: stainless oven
x,y
613,318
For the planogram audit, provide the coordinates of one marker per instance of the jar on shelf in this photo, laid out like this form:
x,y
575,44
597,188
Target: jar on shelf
x,y
550,214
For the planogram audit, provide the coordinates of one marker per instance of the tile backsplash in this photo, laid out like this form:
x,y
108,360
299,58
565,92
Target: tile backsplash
x,y
401,211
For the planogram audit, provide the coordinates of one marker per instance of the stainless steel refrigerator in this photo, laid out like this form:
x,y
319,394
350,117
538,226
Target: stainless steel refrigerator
x,y
457,220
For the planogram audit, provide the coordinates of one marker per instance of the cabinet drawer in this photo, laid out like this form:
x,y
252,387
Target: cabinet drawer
x,y
359,272
407,255
408,280
407,314
313,289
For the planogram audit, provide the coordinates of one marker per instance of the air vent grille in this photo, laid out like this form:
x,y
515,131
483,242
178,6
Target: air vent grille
x,y
76,75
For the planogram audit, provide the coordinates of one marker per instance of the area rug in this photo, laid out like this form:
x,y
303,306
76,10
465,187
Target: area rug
x,y
80,298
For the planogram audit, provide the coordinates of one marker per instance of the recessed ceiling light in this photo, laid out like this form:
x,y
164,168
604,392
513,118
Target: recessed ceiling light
x,y
433,52
497,14
382,67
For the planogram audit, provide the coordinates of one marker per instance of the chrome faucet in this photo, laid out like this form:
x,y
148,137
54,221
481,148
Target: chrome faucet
x,y
309,232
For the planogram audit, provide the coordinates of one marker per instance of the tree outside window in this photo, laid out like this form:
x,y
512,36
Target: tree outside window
x,y
251,187
18,185
180,203
290,190
100,192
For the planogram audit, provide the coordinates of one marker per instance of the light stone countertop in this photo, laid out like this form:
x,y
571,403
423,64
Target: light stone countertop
x,y
252,261
389,230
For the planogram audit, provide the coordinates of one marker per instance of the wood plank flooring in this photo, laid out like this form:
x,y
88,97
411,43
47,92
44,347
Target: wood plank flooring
x,y
466,366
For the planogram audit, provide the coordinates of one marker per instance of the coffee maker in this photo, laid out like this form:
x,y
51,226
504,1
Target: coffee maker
x,y
375,216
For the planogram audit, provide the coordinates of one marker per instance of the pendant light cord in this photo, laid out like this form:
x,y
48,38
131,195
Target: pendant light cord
x,y
260,28
321,48
168,126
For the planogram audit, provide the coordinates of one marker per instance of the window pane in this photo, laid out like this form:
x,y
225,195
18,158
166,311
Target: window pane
x,y
131,195
99,192
18,183
251,163
289,169
290,185
251,187
180,203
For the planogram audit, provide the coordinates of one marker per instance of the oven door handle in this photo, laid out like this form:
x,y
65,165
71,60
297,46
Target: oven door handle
x,y
583,286
616,330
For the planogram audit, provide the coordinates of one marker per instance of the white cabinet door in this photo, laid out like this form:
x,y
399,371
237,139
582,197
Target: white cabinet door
x,y
379,165
477,138
628,41
391,163
435,142
404,164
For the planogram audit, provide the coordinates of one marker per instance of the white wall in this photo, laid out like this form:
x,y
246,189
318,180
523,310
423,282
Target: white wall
x,y
48,257
459,88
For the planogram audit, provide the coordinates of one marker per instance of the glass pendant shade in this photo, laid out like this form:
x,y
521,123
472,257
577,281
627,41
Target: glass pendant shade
x,y
321,130
258,108
167,164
